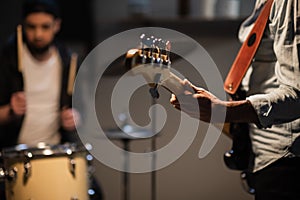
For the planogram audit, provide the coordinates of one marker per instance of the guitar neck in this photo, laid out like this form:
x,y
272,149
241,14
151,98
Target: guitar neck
x,y
174,85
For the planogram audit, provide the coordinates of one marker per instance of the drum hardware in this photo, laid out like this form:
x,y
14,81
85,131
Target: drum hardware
x,y
91,170
72,162
2,174
27,167
72,166
92,190
10,175
27,172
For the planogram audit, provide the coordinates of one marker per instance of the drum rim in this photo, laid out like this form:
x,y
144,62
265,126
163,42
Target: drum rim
x,y
42,150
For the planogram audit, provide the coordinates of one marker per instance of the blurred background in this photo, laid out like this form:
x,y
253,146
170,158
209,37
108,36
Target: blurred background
x,y
214,24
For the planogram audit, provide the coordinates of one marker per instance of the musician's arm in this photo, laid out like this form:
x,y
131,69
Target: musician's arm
x,y
201,104
5,113
241,111
280,106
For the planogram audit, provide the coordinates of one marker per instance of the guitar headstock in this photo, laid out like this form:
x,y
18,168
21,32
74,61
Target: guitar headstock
x,y
151,59
152,50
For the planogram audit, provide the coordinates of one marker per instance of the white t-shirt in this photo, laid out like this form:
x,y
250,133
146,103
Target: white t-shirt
x,y
42,84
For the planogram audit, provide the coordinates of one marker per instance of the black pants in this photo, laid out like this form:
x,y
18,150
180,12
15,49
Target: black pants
x,y
279,181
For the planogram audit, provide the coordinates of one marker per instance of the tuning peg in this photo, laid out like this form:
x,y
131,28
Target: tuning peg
x,y
145,41
142,36
148,41
168,46
158,43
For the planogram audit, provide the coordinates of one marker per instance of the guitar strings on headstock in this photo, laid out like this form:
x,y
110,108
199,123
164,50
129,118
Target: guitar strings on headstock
x,y
154,50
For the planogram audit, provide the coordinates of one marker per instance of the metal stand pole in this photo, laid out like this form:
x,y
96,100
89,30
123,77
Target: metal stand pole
x,y
126,167
155,95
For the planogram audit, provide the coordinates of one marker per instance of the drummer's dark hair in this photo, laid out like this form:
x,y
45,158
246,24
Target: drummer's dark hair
x,y
47,6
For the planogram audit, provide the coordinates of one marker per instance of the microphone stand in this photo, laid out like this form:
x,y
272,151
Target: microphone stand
x,y
155,95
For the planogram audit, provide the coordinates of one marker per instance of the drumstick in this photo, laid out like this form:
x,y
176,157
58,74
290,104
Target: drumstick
x,y
20,47
72,72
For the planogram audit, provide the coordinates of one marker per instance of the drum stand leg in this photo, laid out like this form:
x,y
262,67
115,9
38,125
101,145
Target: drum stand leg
x,y
153,173
126,168
155,95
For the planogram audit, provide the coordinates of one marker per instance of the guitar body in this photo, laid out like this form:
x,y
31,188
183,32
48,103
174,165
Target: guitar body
x,y
240,156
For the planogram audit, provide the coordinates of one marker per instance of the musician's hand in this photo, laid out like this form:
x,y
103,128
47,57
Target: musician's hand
x,y
198,104
70,118
18,103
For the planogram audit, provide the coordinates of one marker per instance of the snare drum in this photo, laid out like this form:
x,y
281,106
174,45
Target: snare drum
x,y
46,172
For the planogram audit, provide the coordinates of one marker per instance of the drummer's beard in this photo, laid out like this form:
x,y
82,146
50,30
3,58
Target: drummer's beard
x,y
39,50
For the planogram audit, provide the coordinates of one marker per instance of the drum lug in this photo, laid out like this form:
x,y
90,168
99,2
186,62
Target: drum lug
x,y
12,174
72,166
27,169
27,166
2,174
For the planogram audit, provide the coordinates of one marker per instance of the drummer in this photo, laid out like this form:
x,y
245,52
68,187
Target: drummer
x,y
35,105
